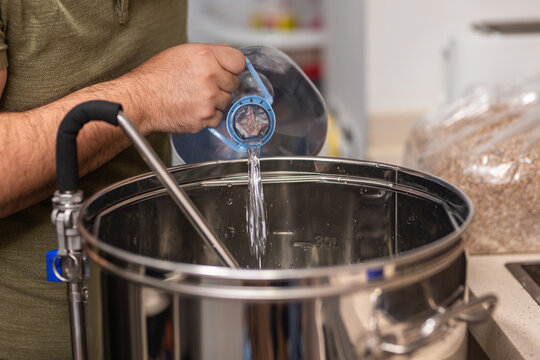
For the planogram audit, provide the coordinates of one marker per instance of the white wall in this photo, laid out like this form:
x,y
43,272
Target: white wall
x,y
345,80
404,41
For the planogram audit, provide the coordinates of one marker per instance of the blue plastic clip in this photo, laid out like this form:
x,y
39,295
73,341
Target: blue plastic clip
x,y
236,147
269,99
51,276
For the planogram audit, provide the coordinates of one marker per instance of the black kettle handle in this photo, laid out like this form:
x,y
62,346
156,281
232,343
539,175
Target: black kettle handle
x,y
67,166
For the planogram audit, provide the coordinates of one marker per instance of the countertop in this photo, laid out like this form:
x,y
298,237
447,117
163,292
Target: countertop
x,y
513,331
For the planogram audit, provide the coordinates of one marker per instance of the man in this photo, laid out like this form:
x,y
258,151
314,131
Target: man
x,y
54,55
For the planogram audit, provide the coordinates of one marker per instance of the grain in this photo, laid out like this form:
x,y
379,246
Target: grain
x,y
493,155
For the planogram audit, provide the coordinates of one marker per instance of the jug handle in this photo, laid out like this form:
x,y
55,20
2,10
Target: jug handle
x,y
269,99
236,147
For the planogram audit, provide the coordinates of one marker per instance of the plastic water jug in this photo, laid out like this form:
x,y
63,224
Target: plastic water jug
x,y
276,107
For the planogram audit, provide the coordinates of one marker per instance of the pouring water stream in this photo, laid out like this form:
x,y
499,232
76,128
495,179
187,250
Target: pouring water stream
x,y
255,209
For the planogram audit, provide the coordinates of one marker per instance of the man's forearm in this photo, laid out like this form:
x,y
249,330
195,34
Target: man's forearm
x,y
182,89
28,140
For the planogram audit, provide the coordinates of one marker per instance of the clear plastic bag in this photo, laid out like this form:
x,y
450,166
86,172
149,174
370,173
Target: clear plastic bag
x,y
488,144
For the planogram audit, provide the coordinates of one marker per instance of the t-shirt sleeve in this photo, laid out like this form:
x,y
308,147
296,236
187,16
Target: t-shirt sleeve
x,y
3,48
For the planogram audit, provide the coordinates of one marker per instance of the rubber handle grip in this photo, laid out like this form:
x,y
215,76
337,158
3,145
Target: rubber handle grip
x,y
67,166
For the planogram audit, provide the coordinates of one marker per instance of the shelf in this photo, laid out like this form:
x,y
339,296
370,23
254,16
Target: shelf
x,y
207,28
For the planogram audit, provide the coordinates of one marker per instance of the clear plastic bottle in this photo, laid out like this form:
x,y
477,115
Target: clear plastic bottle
x,y
275,106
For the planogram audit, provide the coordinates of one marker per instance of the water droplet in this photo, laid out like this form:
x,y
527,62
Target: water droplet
x,y
229,185
230,201
411,219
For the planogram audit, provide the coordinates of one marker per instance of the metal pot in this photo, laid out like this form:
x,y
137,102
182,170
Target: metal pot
x,y
363,260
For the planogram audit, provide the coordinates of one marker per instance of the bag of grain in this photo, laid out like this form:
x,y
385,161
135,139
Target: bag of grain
x,y
488,144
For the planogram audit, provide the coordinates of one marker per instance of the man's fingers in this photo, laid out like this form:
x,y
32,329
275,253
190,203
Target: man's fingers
x,y
214,120
226,81
229,58
223,100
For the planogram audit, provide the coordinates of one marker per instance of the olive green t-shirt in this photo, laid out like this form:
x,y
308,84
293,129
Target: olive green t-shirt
x,y
52,48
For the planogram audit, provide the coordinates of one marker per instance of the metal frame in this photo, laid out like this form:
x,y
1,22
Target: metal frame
x,y
66,206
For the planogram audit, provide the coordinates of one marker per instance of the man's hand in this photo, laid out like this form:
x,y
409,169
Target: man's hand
x,y
182,89
187,87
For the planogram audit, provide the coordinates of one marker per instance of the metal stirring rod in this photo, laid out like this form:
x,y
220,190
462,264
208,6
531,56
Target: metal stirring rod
x,y
179,196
